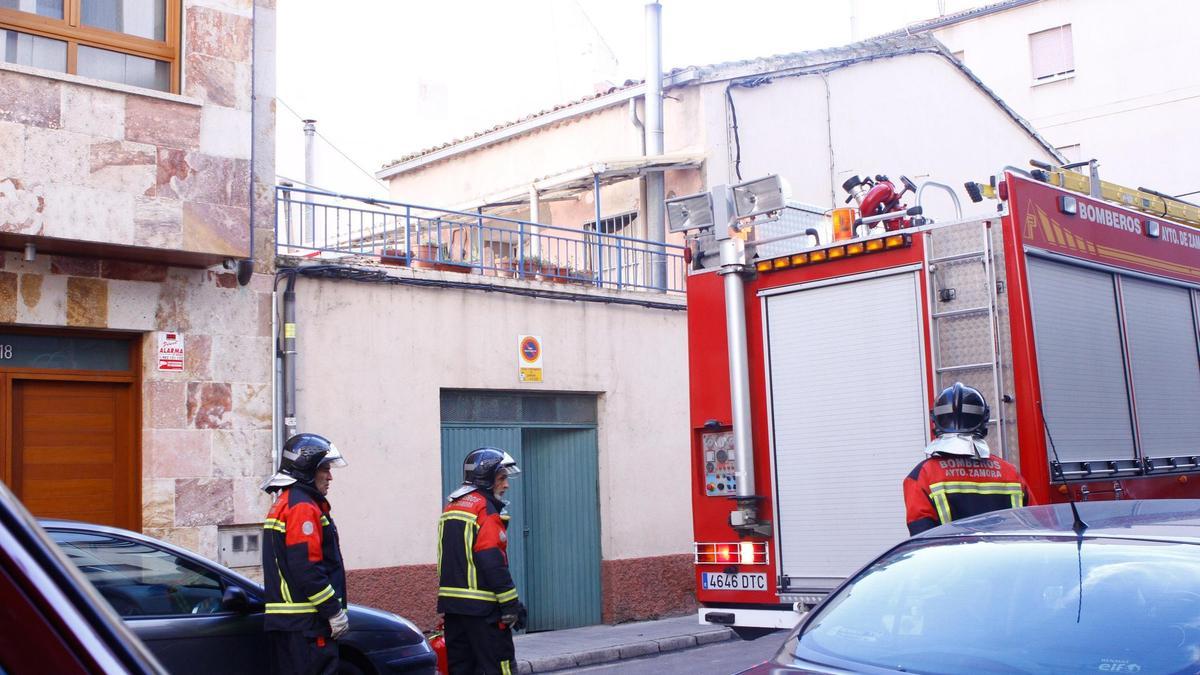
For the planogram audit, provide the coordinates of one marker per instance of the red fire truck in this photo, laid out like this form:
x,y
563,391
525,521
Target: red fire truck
x,y
1074,309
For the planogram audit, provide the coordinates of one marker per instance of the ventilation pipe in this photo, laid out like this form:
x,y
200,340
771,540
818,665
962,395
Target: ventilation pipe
x,y
309,234
653,128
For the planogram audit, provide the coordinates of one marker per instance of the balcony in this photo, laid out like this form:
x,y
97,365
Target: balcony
x,y
329,227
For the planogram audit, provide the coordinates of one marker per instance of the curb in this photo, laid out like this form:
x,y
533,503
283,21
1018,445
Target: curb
x,y
633,650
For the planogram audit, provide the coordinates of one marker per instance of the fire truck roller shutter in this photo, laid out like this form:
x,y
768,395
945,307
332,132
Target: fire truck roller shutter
x,y
838,461
1081,364
1166,368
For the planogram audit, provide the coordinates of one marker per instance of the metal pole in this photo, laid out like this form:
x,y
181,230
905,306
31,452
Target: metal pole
x,y
733,264
599,232
655,191
535,216
732,256
309,234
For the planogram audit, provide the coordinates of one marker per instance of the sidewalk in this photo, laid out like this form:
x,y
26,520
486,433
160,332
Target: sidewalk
x,y
556,650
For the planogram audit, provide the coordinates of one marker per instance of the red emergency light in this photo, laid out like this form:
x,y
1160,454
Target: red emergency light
x,y
731,553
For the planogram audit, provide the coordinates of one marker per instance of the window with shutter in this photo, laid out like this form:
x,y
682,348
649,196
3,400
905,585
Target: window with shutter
x,y
1051,54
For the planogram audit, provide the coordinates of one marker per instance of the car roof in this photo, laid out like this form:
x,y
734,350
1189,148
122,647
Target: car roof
x,y
1162,519
58,524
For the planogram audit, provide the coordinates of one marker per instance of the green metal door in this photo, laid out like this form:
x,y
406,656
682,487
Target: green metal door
x,y
561,482
457,442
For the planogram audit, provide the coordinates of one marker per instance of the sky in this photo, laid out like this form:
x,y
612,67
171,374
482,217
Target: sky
x,y
384,78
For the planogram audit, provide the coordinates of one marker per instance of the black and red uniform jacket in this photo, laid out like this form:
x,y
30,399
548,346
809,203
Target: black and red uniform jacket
x,y
473,576
943,488
303,573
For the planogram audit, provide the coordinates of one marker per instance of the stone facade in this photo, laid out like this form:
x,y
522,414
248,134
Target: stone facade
x,y
130,197
205,431
88,161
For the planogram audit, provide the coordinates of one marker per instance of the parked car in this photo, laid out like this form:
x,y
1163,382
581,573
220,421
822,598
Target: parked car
x,y
53,620
199,617
1019,592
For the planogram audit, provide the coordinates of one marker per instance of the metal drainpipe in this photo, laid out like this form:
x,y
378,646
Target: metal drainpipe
x,y
655,190
276,377
289,356
633,119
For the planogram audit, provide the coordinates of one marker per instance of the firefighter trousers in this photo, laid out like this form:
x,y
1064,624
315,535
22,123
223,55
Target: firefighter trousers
x,y
476,645
293,653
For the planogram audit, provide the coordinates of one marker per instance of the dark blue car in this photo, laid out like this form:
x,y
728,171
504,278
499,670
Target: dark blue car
x,y
198,617
1019,591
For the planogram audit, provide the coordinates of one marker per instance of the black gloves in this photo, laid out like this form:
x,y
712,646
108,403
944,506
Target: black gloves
x,y
514,616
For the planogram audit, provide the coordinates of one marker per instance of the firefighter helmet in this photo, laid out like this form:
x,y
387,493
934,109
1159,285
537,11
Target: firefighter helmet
x,y
483,464
303,455
960,409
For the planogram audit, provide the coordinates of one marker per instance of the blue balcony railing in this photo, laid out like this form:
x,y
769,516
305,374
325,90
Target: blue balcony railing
x,y
320,224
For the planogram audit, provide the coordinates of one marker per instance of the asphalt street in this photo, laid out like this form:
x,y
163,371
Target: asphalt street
x,y
721,658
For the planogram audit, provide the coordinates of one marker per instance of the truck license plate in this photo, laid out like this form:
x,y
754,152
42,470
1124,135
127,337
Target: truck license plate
x,y
720,581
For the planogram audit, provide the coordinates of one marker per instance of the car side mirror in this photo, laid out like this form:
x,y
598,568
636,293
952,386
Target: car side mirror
x,y
235,599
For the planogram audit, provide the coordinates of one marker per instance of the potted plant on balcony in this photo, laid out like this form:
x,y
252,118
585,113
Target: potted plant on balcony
x,y
576,276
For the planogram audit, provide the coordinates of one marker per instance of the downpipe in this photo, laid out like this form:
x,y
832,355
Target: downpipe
x,y
744,519
289,357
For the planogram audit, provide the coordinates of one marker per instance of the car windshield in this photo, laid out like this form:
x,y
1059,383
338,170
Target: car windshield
x,y
1016,605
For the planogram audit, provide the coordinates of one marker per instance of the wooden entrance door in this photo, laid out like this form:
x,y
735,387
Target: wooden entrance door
x,y
71,452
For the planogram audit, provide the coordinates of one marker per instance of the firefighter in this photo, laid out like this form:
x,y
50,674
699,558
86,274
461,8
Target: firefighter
x,y
960,477
302,563
475,589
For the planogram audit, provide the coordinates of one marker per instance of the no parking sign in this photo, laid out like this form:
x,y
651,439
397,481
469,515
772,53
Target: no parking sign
x,y
529,358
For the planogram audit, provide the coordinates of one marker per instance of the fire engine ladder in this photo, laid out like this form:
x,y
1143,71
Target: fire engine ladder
x,y
963,307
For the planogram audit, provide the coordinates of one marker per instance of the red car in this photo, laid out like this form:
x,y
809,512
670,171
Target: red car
x,y
53,620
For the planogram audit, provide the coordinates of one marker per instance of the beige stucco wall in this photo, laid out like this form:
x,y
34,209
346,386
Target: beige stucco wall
x,y
1133,99
947,130
373,359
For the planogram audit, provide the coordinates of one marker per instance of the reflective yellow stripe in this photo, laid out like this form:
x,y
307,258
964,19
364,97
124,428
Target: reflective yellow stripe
x,y
466,593
324,521
507,596
460,515
325,594
971,486
441,530
290,608
468,543
505,669
940,493
469,540
273,524
942,505
283,586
